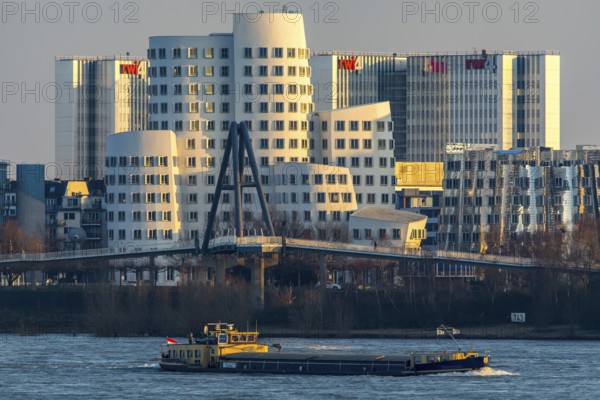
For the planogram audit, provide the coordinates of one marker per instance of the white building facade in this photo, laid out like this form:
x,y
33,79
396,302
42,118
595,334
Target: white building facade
x,y
96,96
260,75
348,79
143,194
379,227
506,99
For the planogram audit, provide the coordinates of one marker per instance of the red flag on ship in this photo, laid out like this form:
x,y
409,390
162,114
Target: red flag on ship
x,y
171,341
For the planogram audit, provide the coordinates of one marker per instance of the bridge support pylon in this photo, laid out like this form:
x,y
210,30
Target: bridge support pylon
x,y
258,264
257,283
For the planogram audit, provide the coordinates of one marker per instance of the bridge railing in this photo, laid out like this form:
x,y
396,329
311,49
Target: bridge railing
x,y
269,243
416,253
228,241
125,248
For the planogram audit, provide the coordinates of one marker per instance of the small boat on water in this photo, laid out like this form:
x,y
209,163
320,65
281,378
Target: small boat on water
x,y
225,349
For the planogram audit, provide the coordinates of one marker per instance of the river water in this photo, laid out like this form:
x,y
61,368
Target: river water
x,y
86,367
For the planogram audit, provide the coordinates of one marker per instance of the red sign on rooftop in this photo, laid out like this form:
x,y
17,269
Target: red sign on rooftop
x,y
130,69
351,64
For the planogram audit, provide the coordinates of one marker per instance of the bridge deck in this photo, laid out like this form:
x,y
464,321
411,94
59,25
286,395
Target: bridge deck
x,y
265,244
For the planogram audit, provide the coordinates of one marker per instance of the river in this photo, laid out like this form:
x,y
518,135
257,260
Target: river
x,y
86,367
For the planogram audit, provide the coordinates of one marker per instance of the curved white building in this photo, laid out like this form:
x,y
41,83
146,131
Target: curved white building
x,y
142,191
260,75
273,76
200,84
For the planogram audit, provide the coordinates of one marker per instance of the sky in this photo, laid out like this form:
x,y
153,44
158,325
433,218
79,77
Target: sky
x,y
33,33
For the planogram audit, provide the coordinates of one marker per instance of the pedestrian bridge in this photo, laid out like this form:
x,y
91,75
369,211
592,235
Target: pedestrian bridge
x,y
267,244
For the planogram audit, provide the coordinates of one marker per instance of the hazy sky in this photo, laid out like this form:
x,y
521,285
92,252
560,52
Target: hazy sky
x,y
29,41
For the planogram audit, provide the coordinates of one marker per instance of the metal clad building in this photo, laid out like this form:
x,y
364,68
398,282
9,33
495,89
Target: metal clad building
x,y
347,79
491,197
505,99
98,97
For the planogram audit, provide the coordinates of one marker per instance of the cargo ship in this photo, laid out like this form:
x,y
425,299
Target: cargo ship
x,y
224,349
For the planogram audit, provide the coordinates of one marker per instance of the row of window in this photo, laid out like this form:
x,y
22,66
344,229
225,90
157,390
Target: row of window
x,y
139,216
136,234
481,165
249,107
276,52
518,182
492,219
136,198
137,161
190,52
224,71
210,125
248,89
136,179
282,198
354,144
248,52
278,107
367,234
522,200
340,126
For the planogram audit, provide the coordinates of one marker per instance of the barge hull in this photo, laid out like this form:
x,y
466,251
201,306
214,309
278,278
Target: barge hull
x,y
315,364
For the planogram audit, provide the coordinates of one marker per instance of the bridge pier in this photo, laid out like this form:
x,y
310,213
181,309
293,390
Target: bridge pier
x,y
322,275
220,273
219,263
257,283
152,270
323,258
